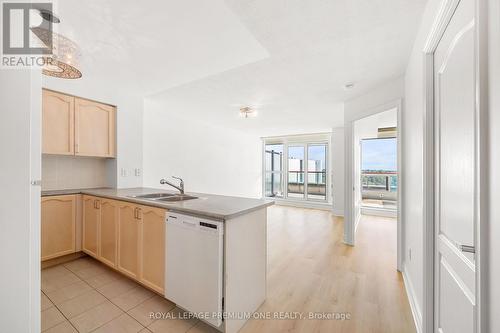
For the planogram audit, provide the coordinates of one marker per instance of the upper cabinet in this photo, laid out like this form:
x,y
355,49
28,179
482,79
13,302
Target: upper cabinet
x,y
94,128
58,123
76,126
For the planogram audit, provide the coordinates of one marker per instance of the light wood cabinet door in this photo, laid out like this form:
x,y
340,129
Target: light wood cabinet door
x,y
58,226
152,243
57,123
91,222
108,232
94,128
128,240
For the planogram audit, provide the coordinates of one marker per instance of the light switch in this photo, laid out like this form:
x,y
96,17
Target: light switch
x,y
137,172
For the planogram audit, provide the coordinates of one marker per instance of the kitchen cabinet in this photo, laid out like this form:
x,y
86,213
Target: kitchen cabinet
x,y
108,232
91,222
94,128
152,243
58,221
57,123
77,126
128,239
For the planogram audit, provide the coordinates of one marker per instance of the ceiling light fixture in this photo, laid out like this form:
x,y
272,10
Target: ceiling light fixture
x,y
63,61
348,86
49,16
247,112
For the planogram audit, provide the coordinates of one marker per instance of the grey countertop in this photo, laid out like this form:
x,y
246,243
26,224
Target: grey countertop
x,y
218,207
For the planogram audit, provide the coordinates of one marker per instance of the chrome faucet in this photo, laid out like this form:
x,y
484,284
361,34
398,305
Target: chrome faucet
x,y
180,187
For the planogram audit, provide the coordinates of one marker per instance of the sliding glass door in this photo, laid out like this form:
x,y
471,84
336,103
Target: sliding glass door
x,y
316,171
296,172
273,171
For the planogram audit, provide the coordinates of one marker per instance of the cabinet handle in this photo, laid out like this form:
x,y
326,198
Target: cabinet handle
x,y
98,204
135,213
139,213
95,206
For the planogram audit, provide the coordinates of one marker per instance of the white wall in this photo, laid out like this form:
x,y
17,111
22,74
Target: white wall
x,y
362,106
492,226
210,159
367,128
20,104
381,99
338,175
128,120
412,138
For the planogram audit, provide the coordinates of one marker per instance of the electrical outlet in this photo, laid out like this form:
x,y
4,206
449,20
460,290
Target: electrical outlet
x,y
137,172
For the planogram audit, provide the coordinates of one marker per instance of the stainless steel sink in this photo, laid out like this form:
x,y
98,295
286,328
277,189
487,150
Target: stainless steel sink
x,y
177,197
153,196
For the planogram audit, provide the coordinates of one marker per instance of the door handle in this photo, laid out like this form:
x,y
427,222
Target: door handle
x,y
468,248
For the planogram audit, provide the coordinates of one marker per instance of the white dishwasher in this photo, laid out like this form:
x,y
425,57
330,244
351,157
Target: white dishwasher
x,y
194,261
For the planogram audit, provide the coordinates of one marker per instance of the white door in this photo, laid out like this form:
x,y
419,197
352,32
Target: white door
x,y
456,172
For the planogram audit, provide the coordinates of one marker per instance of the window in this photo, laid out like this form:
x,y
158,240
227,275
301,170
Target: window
x,y
274,170
316,171
297,170
379,178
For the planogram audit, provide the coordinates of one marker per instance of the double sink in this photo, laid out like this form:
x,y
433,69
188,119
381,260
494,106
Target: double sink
x,y
167,197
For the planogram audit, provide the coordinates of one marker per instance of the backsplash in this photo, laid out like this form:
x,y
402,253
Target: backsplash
x,y
68,172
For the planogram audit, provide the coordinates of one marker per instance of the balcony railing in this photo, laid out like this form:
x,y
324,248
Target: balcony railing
x,y
379,188
316,183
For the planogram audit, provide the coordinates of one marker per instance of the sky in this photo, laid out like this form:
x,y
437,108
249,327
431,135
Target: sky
x,y
379,154
315,152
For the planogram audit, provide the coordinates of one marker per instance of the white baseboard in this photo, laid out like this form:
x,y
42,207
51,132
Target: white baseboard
x,y
338,212
379,212
358,218
412,298
304,204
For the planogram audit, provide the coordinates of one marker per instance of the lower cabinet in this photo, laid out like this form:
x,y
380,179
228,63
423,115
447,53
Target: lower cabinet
x,y
152,240
128,240
108,232
58,225
127,236
91,221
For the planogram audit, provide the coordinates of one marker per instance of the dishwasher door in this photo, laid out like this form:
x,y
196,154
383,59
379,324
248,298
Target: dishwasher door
x,y
194,262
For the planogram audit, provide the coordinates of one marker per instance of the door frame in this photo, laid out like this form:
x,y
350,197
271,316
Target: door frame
x,y
350,222
435,34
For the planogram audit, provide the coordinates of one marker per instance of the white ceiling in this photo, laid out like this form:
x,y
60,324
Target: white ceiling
x,y
153,45
205,58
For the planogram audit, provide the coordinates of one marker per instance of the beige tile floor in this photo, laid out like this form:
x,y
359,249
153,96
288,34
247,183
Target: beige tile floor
x,y
86,296
309,269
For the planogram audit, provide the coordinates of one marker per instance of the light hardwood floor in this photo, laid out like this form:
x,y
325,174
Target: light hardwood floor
x,y
309,270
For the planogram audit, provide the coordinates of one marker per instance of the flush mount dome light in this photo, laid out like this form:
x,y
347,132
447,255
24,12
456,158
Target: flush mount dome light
x,y
247,112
